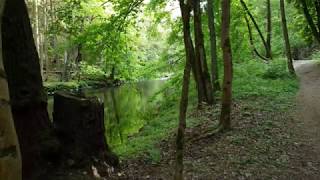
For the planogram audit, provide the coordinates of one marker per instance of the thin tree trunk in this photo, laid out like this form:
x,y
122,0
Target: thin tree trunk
x,y
185,11
200,51
317,5
28,98
10,158
269,30
213,47
309,19
286,37
37,32
225,117
254,49
65,66
244,5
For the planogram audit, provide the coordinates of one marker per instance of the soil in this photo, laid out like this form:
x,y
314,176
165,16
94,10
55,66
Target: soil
x,y
263,144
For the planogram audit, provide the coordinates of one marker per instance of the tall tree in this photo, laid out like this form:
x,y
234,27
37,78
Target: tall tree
x,y
200,51
286,37
28,98
213,47
10,159
185,11
315,31
269,30
225,117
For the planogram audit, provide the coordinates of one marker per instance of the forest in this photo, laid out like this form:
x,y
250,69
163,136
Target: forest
x,y
159,89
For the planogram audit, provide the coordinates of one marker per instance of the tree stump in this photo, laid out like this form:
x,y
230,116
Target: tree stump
x,y
79,123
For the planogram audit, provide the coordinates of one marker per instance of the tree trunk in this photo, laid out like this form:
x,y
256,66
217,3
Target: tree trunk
x,y
244,5
225,117
37,33
213,47
185,11
254,49
65,66
10,158
79,123
28,99
200,51
315,31
286,37
269,30
317,5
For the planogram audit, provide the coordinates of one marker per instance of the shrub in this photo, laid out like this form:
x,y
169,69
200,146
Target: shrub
x,y
277,69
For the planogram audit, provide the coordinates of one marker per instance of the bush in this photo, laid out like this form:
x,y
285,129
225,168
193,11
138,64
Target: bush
x,y
277,69
92,72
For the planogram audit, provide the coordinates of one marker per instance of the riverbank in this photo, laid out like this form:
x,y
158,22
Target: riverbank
x,y
263,102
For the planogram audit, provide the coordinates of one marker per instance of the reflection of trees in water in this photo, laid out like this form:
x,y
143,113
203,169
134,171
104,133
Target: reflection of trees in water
x,y
116,112
125,107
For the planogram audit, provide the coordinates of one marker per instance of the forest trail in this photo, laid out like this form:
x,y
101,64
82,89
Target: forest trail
x,y
308,99
308,106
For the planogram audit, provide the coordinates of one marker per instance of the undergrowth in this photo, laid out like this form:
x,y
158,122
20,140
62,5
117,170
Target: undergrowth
x,y
269,83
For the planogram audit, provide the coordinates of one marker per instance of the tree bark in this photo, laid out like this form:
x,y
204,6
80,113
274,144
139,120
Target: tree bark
x,y
10,158
200,51
28,98
79,123
213,47
286,37
314,30
225,117
185,11
269,30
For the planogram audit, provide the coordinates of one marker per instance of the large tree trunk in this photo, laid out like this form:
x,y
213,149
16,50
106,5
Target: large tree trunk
x,y
185,11
213,47
286,37
269,30
200,51
314,30
10,159
28,99
225,117
79,123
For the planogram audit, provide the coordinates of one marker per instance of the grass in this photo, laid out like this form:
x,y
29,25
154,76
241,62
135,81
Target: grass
x,y
253,80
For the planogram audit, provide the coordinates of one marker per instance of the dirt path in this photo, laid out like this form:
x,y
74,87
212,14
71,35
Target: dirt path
x,y
308,109
309,99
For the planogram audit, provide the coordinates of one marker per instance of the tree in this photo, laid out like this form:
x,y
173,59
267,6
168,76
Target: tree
x,y
315,31
286,37
225,117
185,11
28,98
269,30
265,43
10,159
213,47
200,52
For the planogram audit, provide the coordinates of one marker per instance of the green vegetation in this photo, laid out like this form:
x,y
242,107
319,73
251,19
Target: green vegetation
x,y
254,83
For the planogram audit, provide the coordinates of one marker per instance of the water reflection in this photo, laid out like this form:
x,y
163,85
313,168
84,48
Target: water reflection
x,y
125,107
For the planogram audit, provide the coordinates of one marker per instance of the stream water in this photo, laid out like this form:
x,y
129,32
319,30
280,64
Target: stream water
x,y
125,108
